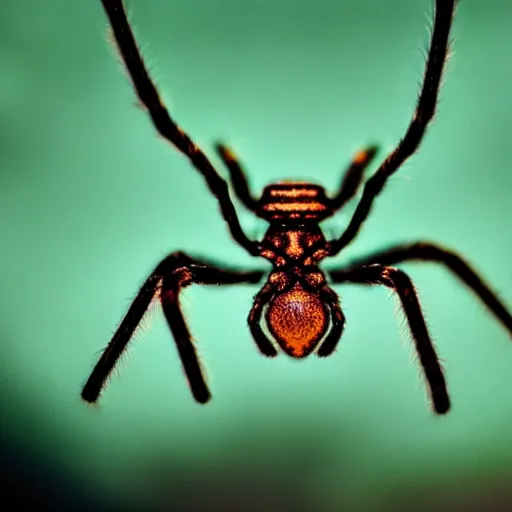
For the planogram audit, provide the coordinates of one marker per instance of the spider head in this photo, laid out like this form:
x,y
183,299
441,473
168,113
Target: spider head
x,y
294,201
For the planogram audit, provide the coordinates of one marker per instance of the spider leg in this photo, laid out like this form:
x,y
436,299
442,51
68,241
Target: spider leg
x,y
174,273
330,342
426,251
264,344
424,113
400,282
238,176
166,126
353,177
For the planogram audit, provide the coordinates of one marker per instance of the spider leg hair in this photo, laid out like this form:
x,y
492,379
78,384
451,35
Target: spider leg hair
x,y
427,251
399,282
174,273
425,110
166,126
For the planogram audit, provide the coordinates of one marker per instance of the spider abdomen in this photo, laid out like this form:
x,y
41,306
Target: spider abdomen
x,y
297,319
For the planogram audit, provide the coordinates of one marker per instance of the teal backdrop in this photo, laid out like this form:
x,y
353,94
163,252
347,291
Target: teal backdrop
x,y
91,199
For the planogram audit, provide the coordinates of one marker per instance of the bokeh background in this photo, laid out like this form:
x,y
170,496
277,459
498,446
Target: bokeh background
x,y
91,199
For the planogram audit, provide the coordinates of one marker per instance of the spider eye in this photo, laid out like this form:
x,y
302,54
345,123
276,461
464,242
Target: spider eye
x,y
298,320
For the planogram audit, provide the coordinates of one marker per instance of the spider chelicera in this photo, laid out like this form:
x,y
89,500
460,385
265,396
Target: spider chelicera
x,y
295,309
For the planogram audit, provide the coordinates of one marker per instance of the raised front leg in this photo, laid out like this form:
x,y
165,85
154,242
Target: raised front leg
x,y
166,125
424,113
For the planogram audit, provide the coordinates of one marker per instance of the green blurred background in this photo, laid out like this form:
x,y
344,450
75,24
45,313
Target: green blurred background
x,y
91,199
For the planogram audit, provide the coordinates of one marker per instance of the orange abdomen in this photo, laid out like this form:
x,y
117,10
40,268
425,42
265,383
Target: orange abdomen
x,y
297,319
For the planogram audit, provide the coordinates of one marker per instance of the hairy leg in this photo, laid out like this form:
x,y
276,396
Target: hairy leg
x,y
425,109
165,124
427,251
173,274
400,283
238,176
353,177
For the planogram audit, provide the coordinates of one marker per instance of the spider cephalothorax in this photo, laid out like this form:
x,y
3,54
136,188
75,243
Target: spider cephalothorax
x,y
296,309
289,201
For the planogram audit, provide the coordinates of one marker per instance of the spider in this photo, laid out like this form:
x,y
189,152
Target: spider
x,y
296,309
